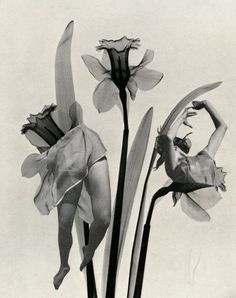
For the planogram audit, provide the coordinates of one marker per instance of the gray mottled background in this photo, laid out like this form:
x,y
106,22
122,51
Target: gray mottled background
x,y
194,43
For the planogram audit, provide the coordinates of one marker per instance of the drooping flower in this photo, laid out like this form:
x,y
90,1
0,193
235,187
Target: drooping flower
x,y
42,131
117,75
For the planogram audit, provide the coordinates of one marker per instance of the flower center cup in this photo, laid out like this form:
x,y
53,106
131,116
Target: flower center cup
x,y
120,72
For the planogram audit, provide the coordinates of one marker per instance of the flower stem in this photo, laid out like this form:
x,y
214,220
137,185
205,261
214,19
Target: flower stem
x,y
137,237
113,258
145,238
91,282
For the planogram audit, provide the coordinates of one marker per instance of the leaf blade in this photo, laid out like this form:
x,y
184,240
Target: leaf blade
x,y
185,101
65,95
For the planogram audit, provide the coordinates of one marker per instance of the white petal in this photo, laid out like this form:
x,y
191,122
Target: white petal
x,y
147,58
35,139
76,114
106,60
147,78
132,87
105,96
192,209
95,67
28,168
206,197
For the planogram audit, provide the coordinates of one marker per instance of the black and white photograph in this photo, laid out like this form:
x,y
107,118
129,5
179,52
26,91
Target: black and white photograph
x,y
117,156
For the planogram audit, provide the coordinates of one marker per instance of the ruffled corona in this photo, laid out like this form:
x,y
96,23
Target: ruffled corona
x,y
42,128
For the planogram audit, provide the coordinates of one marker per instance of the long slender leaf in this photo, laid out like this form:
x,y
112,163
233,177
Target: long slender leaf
x,y
138,231
134,166
185,101
65,95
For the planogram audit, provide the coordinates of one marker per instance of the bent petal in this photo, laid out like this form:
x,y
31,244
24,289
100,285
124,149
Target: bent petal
x,y
105,96
192,209
146,79
95,67
147,58
206,197
132,87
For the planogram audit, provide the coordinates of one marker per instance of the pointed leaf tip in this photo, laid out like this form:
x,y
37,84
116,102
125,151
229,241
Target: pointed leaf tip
x,y
70,25
216,84
67,34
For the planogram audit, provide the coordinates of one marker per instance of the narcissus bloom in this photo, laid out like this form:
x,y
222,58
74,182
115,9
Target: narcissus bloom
x,y
118,75
42,131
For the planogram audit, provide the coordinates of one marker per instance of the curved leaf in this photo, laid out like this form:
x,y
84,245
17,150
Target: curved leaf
x,y
65,95
185,101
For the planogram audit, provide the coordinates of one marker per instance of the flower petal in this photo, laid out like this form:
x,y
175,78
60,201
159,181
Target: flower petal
x,y
105,96
192,209
106,60
35,139
147,58
29,168
76,114
176,196
147,78
206,197
132,87
95,67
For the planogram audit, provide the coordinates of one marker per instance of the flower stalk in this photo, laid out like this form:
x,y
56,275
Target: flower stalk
x,y
137,236
118,80
113,258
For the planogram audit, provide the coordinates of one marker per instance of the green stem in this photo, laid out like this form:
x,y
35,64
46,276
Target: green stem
x,y
91,282
136,242
145,239
113,258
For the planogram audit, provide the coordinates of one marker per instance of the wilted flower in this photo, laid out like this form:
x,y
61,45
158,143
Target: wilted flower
x,y
119,75
42,131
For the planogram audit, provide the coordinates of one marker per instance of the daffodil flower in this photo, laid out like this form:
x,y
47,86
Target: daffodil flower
x,y
118,75
42,131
